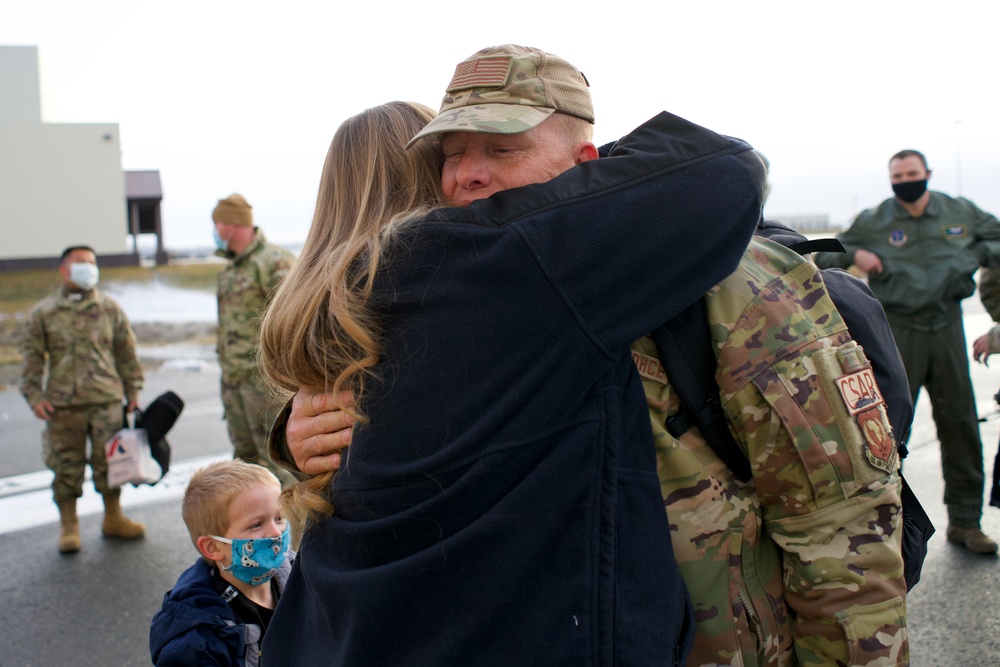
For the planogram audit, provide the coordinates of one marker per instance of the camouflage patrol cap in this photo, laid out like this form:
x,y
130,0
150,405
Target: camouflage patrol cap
x,y
510,89
233,210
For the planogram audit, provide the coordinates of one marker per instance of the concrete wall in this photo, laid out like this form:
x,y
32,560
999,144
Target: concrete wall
x,y
61,184
21,98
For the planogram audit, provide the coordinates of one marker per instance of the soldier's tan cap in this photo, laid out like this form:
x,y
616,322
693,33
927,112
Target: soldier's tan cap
x,y
233,210
510,89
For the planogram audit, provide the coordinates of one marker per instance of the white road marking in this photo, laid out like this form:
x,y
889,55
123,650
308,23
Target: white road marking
x,y
26,500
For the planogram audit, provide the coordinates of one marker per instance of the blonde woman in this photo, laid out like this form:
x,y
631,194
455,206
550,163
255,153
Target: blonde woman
x,y
499,502
320,330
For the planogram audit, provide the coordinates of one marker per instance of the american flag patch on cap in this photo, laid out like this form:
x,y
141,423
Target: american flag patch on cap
x,y
489,72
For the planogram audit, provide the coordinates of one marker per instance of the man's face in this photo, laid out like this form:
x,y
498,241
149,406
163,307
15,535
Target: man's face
x,y
75,257
907,169
479,164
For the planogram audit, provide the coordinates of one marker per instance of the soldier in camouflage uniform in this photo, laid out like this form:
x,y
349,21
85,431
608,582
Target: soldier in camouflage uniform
x,y
987,344
84,343
989,294
256,268
823,512
802,565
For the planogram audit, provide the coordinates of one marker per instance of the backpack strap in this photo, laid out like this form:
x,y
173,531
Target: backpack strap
x,y
817,245
684,345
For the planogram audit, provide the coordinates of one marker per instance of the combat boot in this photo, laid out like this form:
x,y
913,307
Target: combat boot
x,y
69,527
972,539
116,524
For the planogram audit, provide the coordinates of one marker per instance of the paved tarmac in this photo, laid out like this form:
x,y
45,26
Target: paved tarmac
x,y
94,608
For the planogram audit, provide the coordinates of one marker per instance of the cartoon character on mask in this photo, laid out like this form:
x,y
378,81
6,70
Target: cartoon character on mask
x,y
256,560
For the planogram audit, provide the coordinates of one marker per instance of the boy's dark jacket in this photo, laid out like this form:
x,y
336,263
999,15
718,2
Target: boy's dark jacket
x,y
196,626
501,507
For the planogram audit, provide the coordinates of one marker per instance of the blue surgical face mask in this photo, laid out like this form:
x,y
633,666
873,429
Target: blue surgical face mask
x,y
84,275
255,561
220,243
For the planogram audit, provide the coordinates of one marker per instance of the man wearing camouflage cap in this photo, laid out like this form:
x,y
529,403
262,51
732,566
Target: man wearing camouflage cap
x,y
81,341
255,269
829,526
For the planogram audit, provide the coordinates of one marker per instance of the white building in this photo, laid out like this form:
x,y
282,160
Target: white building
x,y
818,222
62,184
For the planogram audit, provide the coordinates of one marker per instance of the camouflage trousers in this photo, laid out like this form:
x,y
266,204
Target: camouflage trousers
x,y
250,409
64,446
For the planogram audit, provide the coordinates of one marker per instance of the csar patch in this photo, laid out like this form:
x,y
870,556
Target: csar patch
x,y
859,390
864,402
897,238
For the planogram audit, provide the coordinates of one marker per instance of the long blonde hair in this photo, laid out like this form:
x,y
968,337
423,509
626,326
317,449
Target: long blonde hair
x,y
319,331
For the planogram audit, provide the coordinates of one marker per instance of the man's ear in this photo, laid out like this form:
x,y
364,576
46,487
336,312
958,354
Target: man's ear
x,y
210,548
585,152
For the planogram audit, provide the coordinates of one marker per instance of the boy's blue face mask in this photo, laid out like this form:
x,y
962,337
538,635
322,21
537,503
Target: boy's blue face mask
x,y
255,561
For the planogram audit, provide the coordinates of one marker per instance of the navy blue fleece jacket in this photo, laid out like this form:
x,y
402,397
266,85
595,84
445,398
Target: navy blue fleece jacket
x,y
502,505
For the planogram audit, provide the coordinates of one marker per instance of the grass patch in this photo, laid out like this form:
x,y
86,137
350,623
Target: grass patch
x,y
9,355
20,290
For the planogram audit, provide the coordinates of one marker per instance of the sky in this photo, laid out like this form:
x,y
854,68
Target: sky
x,y
223,96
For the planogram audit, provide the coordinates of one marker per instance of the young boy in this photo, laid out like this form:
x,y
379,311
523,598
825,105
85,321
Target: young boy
x,y
219,609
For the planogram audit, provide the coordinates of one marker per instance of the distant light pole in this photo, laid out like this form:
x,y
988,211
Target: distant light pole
x,y
958,158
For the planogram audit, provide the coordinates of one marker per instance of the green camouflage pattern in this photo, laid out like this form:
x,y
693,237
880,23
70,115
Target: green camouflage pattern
x,y
250,410
85,345
79,353
802,565
508,90
487,118
65,447
989,292
994,339
244,288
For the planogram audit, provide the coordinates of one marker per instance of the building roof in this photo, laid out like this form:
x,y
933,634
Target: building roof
x,y
143,185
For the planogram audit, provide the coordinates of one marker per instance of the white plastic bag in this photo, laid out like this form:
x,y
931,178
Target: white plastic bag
x,y
130,459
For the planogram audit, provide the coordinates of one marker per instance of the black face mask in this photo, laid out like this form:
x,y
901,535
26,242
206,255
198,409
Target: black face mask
x,y
910,191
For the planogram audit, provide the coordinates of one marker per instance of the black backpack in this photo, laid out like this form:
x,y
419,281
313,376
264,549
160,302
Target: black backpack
x,y
684,345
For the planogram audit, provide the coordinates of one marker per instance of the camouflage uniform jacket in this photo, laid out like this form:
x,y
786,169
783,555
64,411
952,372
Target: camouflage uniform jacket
x,y
989,292
244,288
822,512
994,339
90,348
